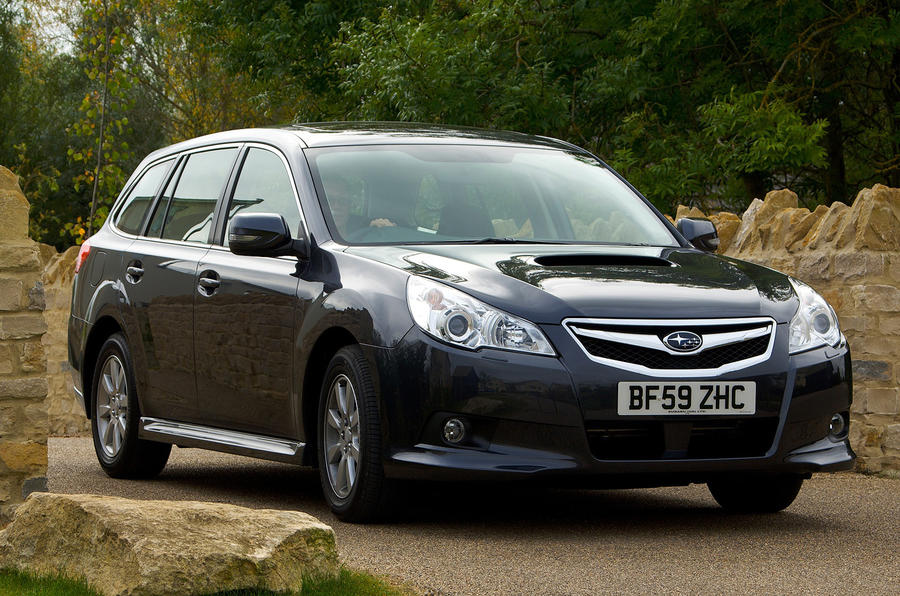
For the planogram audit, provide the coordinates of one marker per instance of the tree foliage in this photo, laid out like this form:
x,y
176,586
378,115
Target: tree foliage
x,y
707,102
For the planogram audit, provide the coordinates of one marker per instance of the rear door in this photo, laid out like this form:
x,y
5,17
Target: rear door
x,y
246,309
159,277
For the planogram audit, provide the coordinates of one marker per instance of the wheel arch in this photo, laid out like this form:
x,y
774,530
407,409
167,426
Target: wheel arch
x,y
324,349
101,330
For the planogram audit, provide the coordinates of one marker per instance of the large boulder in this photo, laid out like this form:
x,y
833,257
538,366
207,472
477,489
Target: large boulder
x,y
123,546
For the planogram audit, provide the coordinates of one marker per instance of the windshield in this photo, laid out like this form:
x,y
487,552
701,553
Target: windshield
x,y
428,194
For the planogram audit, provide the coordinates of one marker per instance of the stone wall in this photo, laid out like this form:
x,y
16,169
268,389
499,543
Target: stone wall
x,y
851,255
23,386
66,417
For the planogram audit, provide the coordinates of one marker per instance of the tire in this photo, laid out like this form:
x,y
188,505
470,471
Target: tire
x,y
350,467
756,494
116,416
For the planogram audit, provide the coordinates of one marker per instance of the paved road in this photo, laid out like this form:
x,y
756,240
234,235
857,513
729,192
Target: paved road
x,y
842,535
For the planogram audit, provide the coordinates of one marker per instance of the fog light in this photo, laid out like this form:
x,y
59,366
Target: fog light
x,y
454,430
838,426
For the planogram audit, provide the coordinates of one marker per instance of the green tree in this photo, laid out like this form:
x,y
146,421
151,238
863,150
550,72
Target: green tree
x,y
697,101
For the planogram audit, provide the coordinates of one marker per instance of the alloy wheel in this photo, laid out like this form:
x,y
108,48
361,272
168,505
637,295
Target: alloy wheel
x,y
112,406
341,437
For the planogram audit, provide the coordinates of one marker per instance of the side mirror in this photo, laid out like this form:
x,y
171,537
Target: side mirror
x,y
699,232
263,235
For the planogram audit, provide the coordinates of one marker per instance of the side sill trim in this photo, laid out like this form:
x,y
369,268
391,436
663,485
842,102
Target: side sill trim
x,y
219,439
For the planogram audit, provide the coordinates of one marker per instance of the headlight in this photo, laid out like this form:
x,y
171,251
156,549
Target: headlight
x,y
459,319
815,323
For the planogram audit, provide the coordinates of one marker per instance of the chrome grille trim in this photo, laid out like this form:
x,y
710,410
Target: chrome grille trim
x,y
767,326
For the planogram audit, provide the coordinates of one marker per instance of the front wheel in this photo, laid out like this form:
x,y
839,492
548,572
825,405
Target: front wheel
x,y
756,494
350,446
116,415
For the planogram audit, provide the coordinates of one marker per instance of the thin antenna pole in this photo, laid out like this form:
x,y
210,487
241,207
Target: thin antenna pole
x,y
102,120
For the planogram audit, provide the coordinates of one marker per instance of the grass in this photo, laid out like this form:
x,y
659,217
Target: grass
x,y
348,582
14,583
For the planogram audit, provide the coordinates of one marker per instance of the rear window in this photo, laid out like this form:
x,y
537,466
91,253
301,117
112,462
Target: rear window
x,y
138,201
187,215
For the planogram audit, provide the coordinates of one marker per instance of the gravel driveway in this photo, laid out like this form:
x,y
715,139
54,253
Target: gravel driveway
x,y
842,535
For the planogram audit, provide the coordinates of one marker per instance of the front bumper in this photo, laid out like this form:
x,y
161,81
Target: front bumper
x,y
532,416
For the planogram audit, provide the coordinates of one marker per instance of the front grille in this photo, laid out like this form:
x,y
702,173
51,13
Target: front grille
x,y
706,439
712,358
639,344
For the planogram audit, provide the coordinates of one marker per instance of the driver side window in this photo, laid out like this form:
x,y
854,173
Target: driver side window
x,y
264,186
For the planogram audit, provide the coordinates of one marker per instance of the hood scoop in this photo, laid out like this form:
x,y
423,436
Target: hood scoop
x,y
601,260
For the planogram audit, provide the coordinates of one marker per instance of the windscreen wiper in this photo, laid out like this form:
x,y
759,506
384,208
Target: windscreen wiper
x,y
509,240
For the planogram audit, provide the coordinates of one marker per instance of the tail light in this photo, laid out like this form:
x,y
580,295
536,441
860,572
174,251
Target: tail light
x,y
82,255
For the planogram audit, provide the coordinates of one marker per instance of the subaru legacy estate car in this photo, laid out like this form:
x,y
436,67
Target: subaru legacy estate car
x,y
392,302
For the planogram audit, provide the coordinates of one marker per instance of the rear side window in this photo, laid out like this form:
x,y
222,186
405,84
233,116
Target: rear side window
x,y
264,186
140,198
189,212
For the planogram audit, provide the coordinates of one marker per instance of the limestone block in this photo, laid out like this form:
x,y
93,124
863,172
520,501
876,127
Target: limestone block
x,y
123,546
748,226
890,325
7,360
22,326
13,208
892,437
876,218
36,300
857,265
11,292
19,256
22,420
802,221
29,457
876,297
871,370
31,356
782,228
9,412
781,199
727,226
859,401
892,264
813,268
883,400
866,439
828,227
31,387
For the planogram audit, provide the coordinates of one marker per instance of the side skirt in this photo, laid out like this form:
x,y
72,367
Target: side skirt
x,y
219,439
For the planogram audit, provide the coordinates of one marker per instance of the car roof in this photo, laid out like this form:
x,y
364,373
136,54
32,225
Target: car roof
x,y
331,134
335,134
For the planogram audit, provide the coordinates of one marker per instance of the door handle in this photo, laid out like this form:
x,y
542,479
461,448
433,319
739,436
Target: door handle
x,y
208,283
134,272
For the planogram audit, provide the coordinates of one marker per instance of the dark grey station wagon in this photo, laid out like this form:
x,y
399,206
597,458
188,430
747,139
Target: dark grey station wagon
x,y
390,302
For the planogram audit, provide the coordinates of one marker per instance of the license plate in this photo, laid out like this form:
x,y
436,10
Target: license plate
x,y
696,397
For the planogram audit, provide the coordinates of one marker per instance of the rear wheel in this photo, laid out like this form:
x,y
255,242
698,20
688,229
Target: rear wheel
x,y
350,446
756,494
116,415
